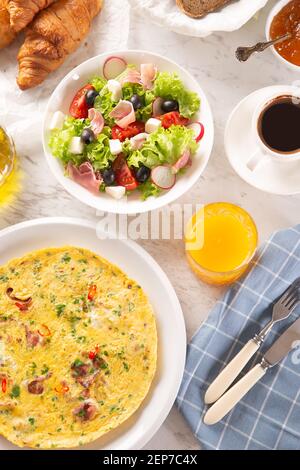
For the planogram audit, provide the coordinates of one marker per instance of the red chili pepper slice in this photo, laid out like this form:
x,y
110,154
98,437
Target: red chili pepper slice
x,y
92,292
44,331
64,388
93,354
21,306
4,385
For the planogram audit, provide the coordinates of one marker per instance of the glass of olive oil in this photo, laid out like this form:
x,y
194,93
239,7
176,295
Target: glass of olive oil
x,y
7,156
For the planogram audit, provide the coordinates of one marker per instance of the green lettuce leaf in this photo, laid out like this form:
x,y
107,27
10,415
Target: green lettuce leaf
x,y
169,86
98,153
60,140
105,105
148,189
98,83
165,146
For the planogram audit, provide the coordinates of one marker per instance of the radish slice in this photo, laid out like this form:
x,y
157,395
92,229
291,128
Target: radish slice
x,y
113,67
163,177
198,129
156,107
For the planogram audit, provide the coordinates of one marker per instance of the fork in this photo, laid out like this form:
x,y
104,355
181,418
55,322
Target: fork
x,y
281,310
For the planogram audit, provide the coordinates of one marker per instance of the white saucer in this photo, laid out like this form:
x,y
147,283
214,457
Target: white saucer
x,y
271,176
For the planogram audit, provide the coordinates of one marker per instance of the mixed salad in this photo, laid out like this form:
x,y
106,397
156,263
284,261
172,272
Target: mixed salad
x,y
128,130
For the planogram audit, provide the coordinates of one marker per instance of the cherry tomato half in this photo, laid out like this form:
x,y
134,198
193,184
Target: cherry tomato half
x,y
132,130
173,118
124,176
79,108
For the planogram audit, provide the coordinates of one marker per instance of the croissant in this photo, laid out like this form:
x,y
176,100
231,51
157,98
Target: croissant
x,y
22,12
7,34
54,34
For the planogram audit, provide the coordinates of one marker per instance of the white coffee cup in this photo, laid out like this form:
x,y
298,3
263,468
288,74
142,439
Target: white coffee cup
x,y
263,152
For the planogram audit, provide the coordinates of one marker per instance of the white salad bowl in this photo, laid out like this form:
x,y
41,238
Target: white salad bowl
x,y
61,99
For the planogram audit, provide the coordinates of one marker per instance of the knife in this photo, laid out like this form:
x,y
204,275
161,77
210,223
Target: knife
x,y
278,351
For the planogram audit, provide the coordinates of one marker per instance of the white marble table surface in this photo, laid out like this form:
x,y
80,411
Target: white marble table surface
x,y
212,62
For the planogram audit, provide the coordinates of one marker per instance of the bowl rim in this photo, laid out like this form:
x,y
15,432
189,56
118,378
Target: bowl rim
x,y
276,9
140,206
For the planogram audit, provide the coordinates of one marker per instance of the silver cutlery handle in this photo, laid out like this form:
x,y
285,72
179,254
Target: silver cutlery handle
x,y
231,371
225,404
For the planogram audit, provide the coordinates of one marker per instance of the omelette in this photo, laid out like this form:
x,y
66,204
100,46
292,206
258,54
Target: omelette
x,y
78,348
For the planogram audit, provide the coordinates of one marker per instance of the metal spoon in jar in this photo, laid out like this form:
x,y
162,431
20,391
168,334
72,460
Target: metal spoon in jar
x,y
243,53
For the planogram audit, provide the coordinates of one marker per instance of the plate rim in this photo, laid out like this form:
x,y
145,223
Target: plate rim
x,y
141,441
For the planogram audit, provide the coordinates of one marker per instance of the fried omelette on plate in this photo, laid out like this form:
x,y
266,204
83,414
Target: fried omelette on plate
x,y
78,348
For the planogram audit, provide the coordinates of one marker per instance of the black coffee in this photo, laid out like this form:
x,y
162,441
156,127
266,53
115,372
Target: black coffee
x,y
279,124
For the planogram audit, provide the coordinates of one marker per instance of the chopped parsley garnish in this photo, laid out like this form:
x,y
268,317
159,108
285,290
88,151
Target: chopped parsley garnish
x,y
84,261
130,306
66,258
60,309
77,363
126,366
31,421
117,311
15,393
81,339
45,369
3,278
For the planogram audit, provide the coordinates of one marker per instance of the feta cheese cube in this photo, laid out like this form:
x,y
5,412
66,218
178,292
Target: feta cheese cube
x,y
57,120
152,125
117,192
76,145
116,89
115,146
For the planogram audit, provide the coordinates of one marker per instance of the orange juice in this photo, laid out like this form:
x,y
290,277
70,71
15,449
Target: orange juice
x,y
221,240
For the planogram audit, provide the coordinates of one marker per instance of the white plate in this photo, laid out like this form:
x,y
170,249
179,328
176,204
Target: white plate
x,y
166,13
270,176
17,240
61,99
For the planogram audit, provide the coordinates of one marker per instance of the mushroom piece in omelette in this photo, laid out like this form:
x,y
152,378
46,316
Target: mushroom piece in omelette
x,y
78,348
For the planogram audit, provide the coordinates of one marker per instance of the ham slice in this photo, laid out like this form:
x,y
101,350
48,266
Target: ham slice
x,y
123,113
97,121
182,162
32,338
85,176
148,74
131,76
138,140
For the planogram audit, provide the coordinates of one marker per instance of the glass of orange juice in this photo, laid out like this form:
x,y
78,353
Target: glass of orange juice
x,y
220,241
7,155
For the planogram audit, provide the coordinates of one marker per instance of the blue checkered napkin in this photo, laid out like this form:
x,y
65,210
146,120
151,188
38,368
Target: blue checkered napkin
x,y
268,417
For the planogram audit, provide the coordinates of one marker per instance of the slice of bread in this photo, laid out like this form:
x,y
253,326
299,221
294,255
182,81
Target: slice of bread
x,y
199,8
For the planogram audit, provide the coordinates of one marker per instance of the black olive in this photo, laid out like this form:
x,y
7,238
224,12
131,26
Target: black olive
x,y
169,105
90,97
88,136
142,174
136,102
108,176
